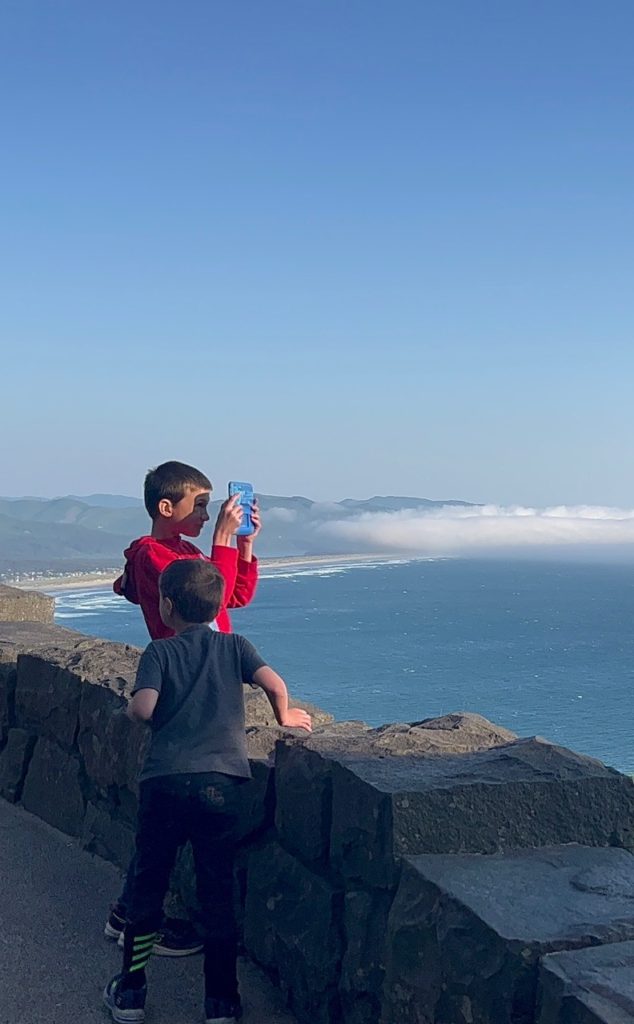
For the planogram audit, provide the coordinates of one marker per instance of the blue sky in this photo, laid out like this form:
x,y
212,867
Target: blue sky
x,y
339,248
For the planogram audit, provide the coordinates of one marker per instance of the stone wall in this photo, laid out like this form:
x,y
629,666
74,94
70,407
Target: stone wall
x,y
68,751
418,873
441,872
25,605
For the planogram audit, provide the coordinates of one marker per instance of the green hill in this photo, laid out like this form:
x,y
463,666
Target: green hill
x,y
69,532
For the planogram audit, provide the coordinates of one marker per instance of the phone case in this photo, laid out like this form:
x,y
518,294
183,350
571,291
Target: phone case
x,y
247,496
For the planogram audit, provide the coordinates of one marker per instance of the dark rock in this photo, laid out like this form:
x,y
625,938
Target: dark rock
x,y
304,767
264,891
363,967
261,740
588,986
25,605
105,663
527,793
112,746
17,638
457,733
257,801
14,761
303,810
466,932
8,676
52,789
293,925
50,679
303,785
106,836
47,695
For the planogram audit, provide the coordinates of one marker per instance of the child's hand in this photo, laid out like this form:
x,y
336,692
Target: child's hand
x,y
245,544
228,521
296,718
255,519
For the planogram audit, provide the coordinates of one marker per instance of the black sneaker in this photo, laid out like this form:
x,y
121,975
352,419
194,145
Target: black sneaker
x,y
176,938
115,923
127,1006
222,1011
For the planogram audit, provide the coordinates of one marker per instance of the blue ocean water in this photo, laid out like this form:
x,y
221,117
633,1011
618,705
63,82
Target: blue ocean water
x,y
540,648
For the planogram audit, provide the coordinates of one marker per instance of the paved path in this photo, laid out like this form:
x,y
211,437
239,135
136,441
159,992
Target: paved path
x,y
54,961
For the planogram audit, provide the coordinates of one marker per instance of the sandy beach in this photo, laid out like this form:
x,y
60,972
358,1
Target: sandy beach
x,y
106,577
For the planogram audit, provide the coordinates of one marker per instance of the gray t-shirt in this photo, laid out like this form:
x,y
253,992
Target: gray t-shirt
x,y
198,722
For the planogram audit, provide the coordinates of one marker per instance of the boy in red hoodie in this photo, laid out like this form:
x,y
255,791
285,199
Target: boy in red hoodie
x,y
176,498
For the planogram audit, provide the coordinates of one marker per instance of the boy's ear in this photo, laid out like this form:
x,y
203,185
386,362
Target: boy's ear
x,y
168,604
165,508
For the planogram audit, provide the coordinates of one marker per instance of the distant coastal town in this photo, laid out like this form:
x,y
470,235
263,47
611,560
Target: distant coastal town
x,y
54,580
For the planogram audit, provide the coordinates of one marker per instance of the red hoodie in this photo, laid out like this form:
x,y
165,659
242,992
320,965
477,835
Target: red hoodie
x,y
147,557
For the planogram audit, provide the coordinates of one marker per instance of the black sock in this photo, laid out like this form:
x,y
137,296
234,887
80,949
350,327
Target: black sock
x,y
136,979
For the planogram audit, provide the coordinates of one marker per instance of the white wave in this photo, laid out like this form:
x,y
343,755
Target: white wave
x,y
75,615
63,593
334,571
487,529
86,600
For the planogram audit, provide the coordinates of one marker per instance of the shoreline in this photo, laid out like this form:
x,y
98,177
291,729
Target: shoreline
x,y
106,577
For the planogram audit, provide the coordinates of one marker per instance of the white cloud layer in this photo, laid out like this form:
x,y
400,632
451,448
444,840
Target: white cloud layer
x,y
281,515
489,530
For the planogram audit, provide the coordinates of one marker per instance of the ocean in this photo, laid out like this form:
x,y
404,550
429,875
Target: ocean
x,y
541,648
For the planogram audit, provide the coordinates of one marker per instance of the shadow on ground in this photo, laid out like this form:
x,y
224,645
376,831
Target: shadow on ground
x,y
54,960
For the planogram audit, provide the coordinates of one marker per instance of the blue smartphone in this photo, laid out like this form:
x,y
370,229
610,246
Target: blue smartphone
x,y
247,498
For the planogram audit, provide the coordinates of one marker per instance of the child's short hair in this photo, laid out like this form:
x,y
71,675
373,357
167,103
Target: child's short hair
x,y
195,588
170,480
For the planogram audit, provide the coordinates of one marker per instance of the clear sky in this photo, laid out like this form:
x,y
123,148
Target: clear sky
x,y
340,247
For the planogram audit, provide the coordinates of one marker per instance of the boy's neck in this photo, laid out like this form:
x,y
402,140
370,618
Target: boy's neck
x,y
179,625
163,529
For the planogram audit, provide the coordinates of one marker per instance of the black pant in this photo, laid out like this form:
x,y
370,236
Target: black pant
x,y
204,809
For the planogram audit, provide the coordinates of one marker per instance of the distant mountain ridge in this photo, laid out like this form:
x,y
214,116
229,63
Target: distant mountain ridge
x,y
108,500
72,532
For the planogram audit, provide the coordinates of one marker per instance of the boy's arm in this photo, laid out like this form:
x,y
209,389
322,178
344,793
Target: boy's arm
x,y
240,569
275,689
141,706
247,574
245,584
226,561
147,687
223,555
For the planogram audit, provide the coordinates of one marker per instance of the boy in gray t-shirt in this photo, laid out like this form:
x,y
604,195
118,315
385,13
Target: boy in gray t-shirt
x,y
189,688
